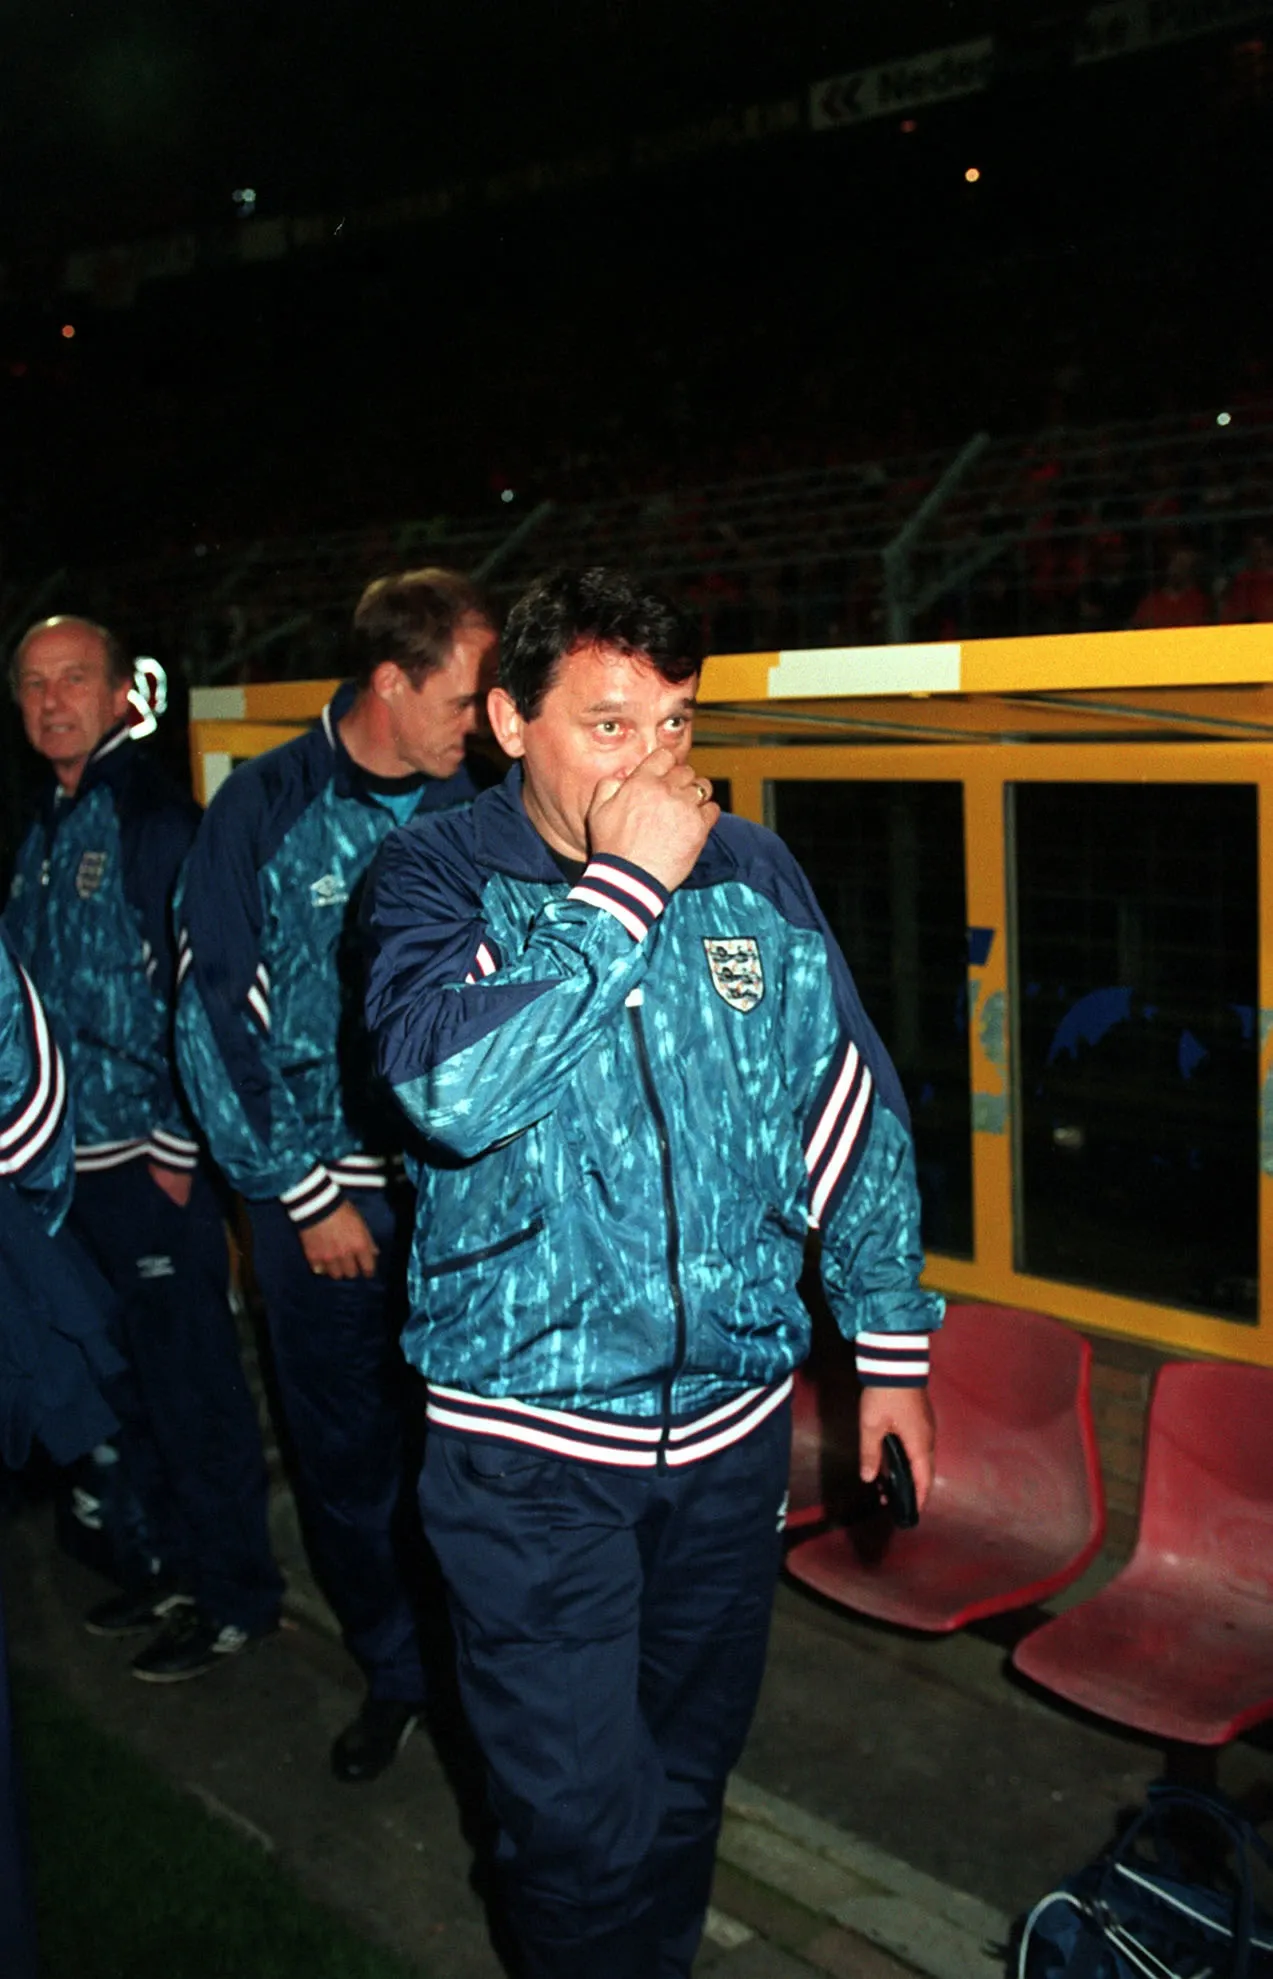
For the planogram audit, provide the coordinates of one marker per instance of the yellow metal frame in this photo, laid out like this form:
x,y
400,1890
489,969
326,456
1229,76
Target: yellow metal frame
x,y
987,715
985,775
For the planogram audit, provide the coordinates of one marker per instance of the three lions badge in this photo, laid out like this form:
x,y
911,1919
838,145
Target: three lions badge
x,y
737,975
90,873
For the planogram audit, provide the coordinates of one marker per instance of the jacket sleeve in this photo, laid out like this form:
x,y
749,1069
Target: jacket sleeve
x,y
154,840
478,1045
863,1194
231,1076
36,1153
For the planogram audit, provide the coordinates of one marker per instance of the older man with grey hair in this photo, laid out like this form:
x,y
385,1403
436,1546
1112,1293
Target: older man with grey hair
x,y
89,914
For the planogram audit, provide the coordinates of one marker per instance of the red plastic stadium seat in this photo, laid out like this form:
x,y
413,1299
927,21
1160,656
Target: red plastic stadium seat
x,y
1181,1641
1016,1510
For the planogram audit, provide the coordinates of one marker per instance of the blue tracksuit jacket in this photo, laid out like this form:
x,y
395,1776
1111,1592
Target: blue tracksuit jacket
x,y
89,916
54,1347
269,1018
35,1119
637,1105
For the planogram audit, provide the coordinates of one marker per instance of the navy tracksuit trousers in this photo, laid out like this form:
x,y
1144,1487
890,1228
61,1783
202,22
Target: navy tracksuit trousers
x,y
189,1431
342,1385
611,1628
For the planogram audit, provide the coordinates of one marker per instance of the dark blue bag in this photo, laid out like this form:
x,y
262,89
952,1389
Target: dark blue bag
x,y
1174,1898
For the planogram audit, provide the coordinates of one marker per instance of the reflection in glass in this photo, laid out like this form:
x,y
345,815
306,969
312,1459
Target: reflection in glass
x,y
1137,1039
886,862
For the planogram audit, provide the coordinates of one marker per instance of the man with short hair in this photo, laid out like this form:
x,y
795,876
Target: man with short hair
x,y
272,1052
644,1073
89,915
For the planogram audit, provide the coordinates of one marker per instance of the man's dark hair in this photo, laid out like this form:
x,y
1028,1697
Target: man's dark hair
x,y
569,609
119,669
412,618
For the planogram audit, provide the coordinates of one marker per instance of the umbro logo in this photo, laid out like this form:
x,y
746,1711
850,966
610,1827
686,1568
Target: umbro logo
x,y
330,891
155,1267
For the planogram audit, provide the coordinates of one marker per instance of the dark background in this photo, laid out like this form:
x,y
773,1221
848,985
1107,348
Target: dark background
x,y
644,271
740,306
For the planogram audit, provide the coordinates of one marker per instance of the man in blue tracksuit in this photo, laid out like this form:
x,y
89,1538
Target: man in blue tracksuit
x,y
36,1136
36,1173
89,915
644,1074
56,1355
272,1052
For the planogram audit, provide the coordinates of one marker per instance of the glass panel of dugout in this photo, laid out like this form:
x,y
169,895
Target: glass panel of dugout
x,y
886,863
1137,1039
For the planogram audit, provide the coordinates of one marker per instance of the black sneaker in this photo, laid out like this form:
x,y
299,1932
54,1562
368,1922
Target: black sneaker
x,y
135,1613
374,1740
189,1645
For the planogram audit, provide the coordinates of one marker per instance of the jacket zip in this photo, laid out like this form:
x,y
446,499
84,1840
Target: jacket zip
x,y
673,1226
49,827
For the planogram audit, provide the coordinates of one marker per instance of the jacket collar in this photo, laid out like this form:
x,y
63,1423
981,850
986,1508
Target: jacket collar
x,y
110,760
506,841
344,770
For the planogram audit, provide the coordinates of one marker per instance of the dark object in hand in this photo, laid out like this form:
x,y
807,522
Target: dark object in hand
x,y
897,1485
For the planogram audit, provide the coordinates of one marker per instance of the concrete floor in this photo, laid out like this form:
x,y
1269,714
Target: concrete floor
x,y
866,1741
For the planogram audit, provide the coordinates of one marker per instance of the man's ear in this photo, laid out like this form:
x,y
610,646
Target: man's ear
x,y
508,726
387,680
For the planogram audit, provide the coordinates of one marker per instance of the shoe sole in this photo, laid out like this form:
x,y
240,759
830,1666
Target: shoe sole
x,y
178,1676
199,1669
154,1620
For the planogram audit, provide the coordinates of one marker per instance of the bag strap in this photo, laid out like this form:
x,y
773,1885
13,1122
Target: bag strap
x,y
1163,1799
1246,1837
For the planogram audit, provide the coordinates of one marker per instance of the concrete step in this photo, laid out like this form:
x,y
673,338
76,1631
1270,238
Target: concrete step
x,y
843,1889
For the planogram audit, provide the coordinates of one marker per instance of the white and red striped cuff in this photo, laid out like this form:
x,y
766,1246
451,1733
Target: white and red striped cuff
x,y
365,1171
312,1199
635,898
892,1360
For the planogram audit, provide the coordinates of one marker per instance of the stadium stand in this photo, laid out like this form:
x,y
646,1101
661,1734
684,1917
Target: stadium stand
x,y
1058,531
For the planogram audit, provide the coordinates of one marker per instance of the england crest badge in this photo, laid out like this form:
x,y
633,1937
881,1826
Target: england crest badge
x,y
89,874
737,975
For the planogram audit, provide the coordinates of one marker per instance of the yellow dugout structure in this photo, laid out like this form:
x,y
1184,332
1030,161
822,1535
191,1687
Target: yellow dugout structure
x,y
1056,856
